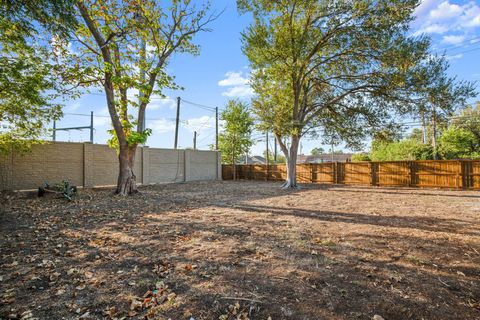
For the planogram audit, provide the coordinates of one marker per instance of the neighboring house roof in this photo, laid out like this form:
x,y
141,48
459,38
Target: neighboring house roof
x,y
252,160
324,157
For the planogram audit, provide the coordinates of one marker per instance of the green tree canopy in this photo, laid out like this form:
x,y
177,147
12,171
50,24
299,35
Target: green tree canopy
x,y
402,150
457,143
30,82
123,47
469,119
343,66
236,138
317,151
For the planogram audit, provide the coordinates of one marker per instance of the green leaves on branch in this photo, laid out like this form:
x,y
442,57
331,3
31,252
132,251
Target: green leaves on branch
x,y
30,81
342,67
125,46
236,139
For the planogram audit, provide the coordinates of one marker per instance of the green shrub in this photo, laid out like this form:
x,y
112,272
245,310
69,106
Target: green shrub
x,y
458,143
363,156
402,150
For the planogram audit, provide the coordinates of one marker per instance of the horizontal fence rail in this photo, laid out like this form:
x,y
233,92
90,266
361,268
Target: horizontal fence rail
x,y
458,174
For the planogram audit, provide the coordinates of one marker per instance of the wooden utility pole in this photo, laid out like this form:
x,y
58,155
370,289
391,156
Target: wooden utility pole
x,y
176,124
194,140
54,133
216,128
91,126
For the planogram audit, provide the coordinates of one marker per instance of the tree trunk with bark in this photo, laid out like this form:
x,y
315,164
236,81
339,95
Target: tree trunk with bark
x,y
127,181
291,158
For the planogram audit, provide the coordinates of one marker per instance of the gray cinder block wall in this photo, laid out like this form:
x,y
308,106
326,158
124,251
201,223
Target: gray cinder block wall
x,y
90,165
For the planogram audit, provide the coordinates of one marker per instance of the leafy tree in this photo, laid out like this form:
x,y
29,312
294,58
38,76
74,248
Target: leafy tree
x,y
469,119
456,143
271,157
440,95
235,140
385,136
363,156
402,150
416,134
29,80
317,151
124,46
341,66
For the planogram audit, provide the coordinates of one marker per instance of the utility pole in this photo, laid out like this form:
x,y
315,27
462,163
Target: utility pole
x,y
216,128
54,134
91,127
176,124
194,140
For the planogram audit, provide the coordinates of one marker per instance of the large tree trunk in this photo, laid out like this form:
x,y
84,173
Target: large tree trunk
x,y
291,158
127,181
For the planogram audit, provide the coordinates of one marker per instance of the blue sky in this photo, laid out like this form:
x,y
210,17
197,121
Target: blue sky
x,y
221,71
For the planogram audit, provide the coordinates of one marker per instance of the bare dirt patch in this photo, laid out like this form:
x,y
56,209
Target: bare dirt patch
x,y
242,250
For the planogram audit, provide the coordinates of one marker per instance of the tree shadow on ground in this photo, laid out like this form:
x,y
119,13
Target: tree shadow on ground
x,y
436,192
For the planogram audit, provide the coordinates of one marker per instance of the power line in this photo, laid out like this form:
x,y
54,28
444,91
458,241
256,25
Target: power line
x,y
198,105
467,42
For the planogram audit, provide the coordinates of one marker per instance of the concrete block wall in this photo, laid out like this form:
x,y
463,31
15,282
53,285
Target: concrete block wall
x,y
50,163
164,165
90,165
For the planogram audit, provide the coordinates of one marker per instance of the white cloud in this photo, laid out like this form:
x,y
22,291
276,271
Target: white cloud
x,y
446,10
157,102
455,57
72,107
437,16
238,91
453,39
201,124
233,79
161,125
237,83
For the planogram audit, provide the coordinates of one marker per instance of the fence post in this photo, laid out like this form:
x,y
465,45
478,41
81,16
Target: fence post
x,y
335,172
372,173
313,172
459,175
412,170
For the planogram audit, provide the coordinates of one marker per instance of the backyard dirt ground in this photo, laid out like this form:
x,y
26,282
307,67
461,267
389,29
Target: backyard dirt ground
x,y
242,250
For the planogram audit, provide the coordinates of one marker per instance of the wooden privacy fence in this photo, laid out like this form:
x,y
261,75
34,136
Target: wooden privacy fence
x,y
459,174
